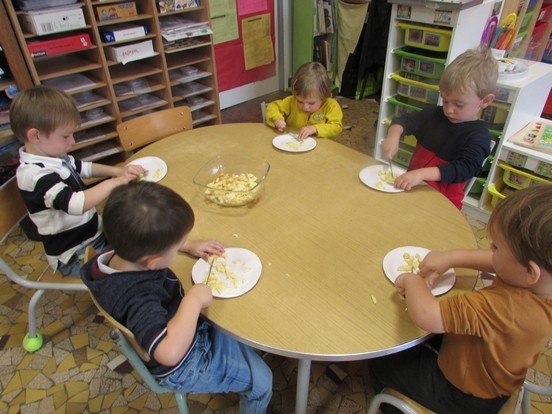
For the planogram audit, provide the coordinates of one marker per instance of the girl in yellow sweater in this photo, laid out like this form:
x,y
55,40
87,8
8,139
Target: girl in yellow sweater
x,y
311,108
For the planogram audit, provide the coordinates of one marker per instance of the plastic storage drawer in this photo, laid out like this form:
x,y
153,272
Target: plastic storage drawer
x,y
478,186
519,179
430,65
402,106
495,115
420,91
426,37
402,157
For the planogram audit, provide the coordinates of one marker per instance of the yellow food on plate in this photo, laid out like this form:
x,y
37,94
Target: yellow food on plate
x,y
295,145
158,172
233,189
223,279
387,177
412,263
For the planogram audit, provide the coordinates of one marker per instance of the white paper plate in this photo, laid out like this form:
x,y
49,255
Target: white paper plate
x,y
394,259
290,144
370,177
242,263
156,167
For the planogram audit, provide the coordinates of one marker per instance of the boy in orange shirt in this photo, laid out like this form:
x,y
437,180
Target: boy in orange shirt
x,y
490,336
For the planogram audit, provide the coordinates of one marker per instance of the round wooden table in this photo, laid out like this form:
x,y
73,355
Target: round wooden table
x,y
321,235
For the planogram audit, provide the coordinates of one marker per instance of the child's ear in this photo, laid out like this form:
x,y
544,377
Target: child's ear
x,y
32,135
150,262
533,273
487,100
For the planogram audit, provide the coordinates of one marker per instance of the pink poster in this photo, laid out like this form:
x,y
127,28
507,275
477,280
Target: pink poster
x,y
251,6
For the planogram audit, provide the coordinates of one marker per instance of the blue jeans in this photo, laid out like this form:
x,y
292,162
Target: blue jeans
x,y
220,364
73,266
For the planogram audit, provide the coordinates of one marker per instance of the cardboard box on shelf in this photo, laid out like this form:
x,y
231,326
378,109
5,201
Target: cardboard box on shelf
x,y
116,11
128,53
165,6
59,45
123,32
56,19
184,4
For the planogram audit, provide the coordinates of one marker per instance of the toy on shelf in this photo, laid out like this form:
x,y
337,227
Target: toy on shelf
x,y
537,135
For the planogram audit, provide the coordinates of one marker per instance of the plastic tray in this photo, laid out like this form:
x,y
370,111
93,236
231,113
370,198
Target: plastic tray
x,y
430,65
402,157
519,179
426,37
420,91
402,106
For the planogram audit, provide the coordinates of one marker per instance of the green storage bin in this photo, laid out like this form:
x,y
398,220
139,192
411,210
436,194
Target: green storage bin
x,y
420,91
429,64
402,157
426,37
477,187
402,105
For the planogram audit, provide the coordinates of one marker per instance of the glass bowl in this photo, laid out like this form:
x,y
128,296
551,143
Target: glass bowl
x,y
232,180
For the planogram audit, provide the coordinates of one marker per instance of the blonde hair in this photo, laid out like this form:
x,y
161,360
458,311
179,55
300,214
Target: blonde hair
x,y
473,70
44,108
524,220
311,79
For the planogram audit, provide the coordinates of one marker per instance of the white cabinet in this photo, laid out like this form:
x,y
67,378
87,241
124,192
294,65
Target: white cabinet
x,y
519,100
525,98
435,31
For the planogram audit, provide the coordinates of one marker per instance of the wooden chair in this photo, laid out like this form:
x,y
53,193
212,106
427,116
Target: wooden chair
x,y
40,275
263,111
143,130
131,349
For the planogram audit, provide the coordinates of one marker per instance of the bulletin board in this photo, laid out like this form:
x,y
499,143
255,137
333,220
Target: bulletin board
x,y
229,55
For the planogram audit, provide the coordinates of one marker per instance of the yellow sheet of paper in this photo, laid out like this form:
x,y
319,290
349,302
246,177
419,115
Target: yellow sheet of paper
x,y
224,20
257,43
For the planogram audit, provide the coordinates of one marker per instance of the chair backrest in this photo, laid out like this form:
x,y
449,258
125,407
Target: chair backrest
x,y
525,394
136,355
12,206
263,111
138,132
129,336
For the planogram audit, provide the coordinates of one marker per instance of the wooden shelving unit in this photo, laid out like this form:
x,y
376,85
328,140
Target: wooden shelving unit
x,y
116,91
527,20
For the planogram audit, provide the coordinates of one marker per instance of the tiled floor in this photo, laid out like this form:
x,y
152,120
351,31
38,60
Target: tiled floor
x,y
79,369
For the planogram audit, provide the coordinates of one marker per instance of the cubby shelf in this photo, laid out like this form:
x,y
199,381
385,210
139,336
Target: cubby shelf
x,y
106,77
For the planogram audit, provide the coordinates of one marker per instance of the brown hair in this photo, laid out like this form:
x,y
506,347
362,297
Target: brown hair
x,y
524,220
475,70
312,79
144,218
44,108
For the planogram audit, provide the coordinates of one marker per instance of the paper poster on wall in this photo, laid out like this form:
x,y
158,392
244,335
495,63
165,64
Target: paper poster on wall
x,y
230,55
224,20
257,43
251,6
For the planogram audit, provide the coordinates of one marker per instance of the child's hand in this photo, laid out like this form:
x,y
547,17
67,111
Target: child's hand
x,y
399,283
121,180
200,292
389,148
433,266
202,248
280,125
409,180
133,170
308,131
